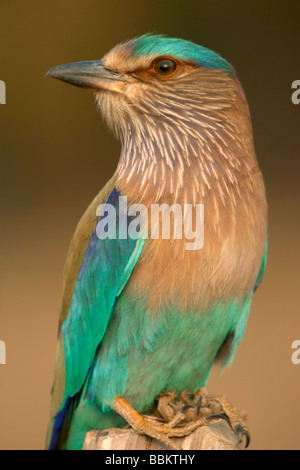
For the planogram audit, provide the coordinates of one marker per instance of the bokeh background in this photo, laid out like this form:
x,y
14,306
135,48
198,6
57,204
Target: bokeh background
x,y
56,155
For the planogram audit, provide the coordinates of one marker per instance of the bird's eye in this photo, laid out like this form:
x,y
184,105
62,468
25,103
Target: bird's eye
x,y
165,67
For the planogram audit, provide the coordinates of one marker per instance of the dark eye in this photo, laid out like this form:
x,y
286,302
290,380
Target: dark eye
x,y
165,67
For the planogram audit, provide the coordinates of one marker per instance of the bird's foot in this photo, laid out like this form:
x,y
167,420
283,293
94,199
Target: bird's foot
x,y
150,426
189,411
237,420
180,415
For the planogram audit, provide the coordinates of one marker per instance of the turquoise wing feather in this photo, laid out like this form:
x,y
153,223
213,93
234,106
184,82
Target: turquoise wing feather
x,y
262,268
106,267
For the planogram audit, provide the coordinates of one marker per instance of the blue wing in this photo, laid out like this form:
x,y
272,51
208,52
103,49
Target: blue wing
x,y
106,267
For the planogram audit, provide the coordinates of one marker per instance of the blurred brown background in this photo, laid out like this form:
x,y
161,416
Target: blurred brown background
x,y
56,155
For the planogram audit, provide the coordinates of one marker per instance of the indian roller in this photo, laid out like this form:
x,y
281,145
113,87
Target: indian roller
x,y
142,315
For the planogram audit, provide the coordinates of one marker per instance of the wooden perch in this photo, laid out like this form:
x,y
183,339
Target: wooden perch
x,y
215,434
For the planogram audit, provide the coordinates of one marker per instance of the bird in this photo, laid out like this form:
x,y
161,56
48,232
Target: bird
x,y
145,314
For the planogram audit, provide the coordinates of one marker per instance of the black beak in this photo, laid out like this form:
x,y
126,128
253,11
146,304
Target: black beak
x,y
89,74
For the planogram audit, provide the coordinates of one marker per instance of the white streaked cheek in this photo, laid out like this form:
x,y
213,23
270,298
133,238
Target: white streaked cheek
x,y
114,109
135,92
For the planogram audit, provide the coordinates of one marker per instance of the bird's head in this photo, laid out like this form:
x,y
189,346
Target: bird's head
x,y
163,96
156,78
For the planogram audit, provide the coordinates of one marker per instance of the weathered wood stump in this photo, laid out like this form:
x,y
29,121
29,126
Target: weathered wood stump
x,y
216,436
